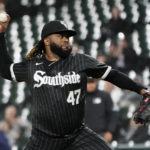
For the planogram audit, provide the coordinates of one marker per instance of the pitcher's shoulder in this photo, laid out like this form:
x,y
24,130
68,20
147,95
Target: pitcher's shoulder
x,y
33,61
79,56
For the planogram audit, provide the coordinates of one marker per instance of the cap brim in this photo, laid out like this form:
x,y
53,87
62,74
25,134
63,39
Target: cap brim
x,y
68,32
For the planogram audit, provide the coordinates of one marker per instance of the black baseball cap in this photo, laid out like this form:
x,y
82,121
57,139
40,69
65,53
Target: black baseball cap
x,y
56,26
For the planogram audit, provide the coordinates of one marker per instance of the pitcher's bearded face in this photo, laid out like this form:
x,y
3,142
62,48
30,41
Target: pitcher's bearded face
x,y
60,45
62,51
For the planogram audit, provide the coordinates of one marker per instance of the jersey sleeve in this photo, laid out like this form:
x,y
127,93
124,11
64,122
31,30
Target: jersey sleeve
x,y
5,59
19,71
96,69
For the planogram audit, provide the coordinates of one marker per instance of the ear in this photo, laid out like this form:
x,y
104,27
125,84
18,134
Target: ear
x,y
46,41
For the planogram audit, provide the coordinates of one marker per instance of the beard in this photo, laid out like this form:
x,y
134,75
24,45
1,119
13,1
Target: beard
x,y
60,51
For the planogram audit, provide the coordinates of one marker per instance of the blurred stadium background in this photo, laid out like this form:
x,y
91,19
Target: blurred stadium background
x,y
87,18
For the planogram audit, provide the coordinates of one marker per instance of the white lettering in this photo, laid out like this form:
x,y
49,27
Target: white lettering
x,y
38,78
41,78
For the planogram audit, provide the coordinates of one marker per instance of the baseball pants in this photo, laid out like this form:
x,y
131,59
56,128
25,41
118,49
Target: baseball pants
x,y
84,139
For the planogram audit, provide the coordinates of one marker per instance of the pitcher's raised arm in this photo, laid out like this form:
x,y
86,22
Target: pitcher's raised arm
x,y
5,59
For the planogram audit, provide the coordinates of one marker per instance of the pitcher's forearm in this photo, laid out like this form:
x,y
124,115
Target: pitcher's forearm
x,y
5,59
123,81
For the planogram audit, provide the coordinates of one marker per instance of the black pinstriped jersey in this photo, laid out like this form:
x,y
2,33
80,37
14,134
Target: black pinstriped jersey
x,y
58,90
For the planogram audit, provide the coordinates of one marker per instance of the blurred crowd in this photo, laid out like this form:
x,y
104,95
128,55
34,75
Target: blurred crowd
x,y
13,129
16,10
108,109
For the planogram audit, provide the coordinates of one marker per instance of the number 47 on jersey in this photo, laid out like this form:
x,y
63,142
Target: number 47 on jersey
x,y
74,96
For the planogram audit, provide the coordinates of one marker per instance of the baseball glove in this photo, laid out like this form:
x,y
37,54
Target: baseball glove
x,y
142,114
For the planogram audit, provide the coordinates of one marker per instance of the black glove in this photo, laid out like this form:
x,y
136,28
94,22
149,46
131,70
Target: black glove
x,y
142,114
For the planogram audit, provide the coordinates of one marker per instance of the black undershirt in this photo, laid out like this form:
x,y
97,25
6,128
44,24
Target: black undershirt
x,y
123,81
